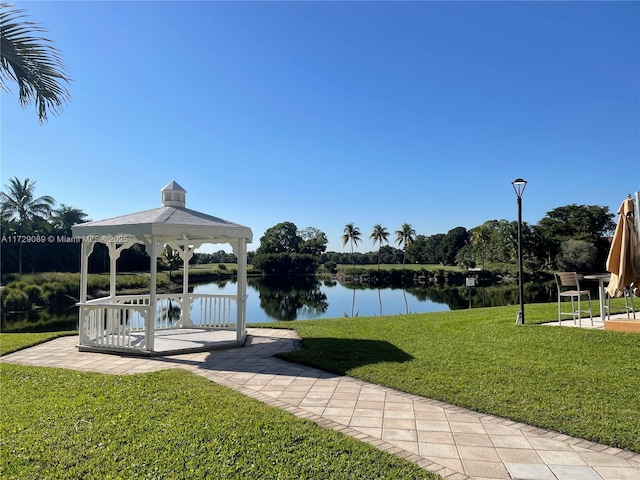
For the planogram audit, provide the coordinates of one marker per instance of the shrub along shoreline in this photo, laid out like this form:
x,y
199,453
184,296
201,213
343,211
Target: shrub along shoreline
x,y
57,290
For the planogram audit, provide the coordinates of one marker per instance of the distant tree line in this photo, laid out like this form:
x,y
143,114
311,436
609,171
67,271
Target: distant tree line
x,y
217,257
285,250
36,236
573,237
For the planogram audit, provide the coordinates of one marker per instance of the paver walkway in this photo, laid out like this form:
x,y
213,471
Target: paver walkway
x,y
454,442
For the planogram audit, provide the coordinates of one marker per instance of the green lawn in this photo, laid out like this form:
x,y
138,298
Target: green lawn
x,y
63,424
172,424
216,268
11,342
580,382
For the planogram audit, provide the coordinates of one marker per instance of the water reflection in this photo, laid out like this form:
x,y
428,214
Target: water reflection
x,y
41,320
458,298
303,298
288,298
169,313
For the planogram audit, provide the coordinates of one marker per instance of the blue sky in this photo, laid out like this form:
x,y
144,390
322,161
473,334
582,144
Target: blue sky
x,y
325,113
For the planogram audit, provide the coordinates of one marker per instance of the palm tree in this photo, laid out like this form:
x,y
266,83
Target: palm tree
x,y
379,235
19,205
65,216
351,234
405,236
32,62
170,258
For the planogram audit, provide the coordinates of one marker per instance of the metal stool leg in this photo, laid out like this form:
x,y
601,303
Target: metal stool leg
x,y
628,297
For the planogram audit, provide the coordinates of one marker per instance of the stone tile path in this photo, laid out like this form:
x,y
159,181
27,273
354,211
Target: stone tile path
x,y
454,442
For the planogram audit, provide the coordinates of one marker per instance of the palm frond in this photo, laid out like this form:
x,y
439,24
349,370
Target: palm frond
x,y
32,62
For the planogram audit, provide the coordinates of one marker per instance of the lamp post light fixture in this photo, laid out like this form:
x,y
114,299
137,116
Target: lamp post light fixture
x,y
519,185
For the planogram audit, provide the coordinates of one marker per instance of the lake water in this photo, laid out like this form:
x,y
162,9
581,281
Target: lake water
x,y
303,298
272,299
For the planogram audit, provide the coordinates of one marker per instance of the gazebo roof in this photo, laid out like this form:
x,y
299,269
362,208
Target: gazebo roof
x,y
170,221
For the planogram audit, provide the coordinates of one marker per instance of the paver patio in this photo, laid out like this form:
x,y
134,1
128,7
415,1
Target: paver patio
x,y
454,442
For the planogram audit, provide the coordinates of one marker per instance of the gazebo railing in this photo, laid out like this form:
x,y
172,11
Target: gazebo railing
x,y
119,322
109,325
216,310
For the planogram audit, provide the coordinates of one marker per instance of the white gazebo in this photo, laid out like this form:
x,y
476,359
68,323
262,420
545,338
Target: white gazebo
x,y
154,323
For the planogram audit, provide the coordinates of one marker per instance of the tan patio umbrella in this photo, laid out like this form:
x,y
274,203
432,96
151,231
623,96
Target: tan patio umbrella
x,y
624,261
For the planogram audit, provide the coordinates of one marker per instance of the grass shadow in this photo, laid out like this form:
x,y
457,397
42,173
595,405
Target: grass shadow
x,y
346,354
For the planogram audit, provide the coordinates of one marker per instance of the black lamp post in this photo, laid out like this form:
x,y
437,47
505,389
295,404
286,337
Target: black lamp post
x,y
519,185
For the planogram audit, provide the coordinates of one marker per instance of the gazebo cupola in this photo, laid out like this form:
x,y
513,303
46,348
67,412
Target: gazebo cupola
x,y
173,195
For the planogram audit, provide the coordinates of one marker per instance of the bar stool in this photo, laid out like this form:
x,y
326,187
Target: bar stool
x,y
569,287
629,303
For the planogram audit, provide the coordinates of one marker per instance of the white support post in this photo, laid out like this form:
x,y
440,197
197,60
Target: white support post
x,y
240,249
114,255
86,251
186,253
150,327
186,301
86,248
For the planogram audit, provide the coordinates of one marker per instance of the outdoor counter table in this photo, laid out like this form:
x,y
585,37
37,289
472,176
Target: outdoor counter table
x,y
600,277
